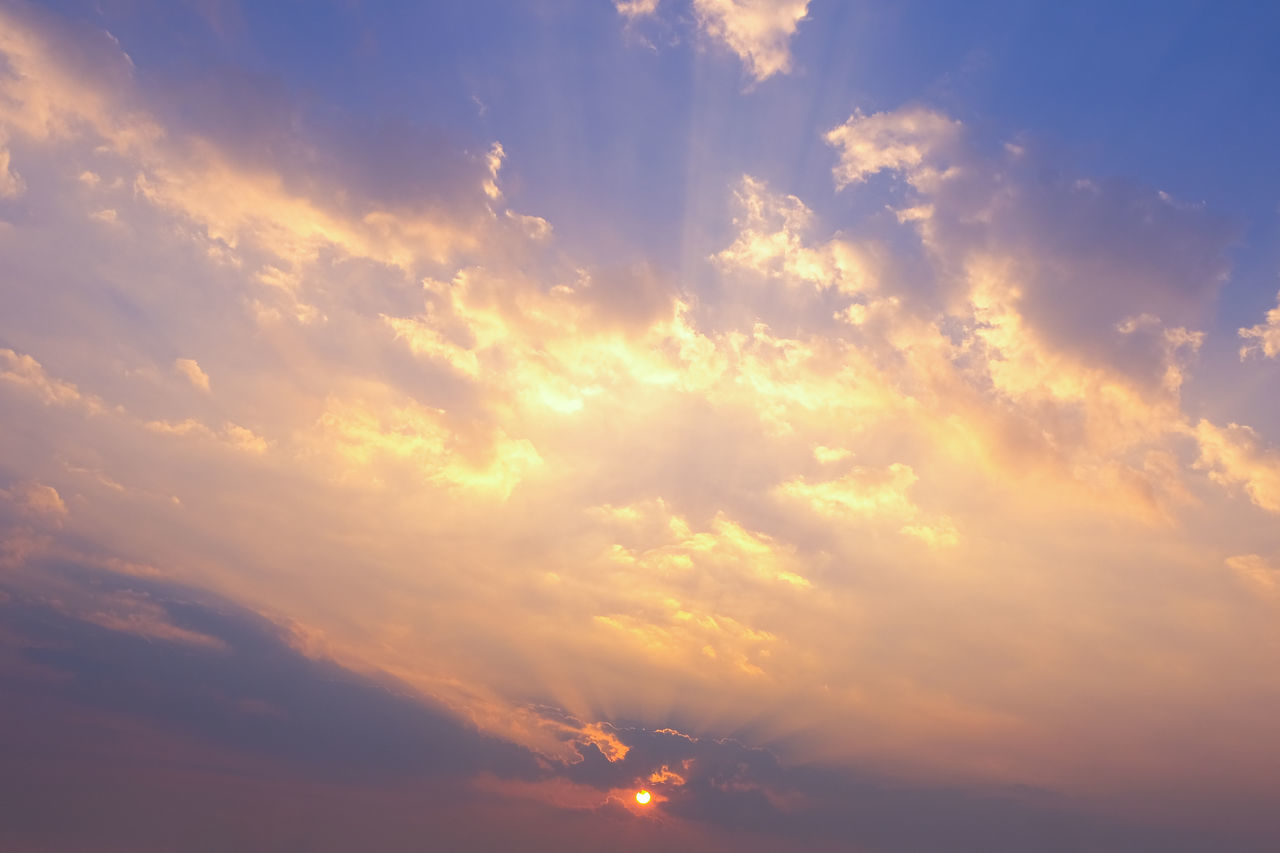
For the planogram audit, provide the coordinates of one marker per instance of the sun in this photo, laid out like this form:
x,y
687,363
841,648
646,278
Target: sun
x,y
643,797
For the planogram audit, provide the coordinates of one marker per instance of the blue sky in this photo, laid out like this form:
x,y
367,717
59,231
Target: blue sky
x,y
1172,94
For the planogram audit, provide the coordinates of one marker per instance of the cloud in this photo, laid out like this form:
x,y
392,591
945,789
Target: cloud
x,y
914,489
28,374
1092,344
771,242
365,438
234,435
554,349
37,500
230,202
11,183
903,140
953,349
873,495
535,227
135,614
493,160
632,9
30,513
204,698
1255,570
25,372
49,99
1263,338
1147,254
1235,456
758,31
190,369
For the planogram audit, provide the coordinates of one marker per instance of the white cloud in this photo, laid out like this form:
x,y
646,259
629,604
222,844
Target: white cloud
x,y
758,31
771,241
900,140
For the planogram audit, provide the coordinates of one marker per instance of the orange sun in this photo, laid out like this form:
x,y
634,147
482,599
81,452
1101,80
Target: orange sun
x,y
643,797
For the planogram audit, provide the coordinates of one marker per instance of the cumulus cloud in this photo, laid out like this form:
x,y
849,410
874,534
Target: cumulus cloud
x,y
758,31
771,240
23,371
36,499
1236,456
1093,345
1090,409
1147,254
908,139
30,512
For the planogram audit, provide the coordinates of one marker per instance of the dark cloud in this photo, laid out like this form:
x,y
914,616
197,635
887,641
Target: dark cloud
x,y
737,788
252,692
147,735
1085,255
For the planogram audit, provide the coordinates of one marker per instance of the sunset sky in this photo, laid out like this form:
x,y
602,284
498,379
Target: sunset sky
x,y
424,426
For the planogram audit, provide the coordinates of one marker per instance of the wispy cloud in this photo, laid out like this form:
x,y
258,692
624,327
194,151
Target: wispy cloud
x,y
1263,338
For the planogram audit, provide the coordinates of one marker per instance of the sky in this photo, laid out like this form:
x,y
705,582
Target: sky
x,y
855,425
